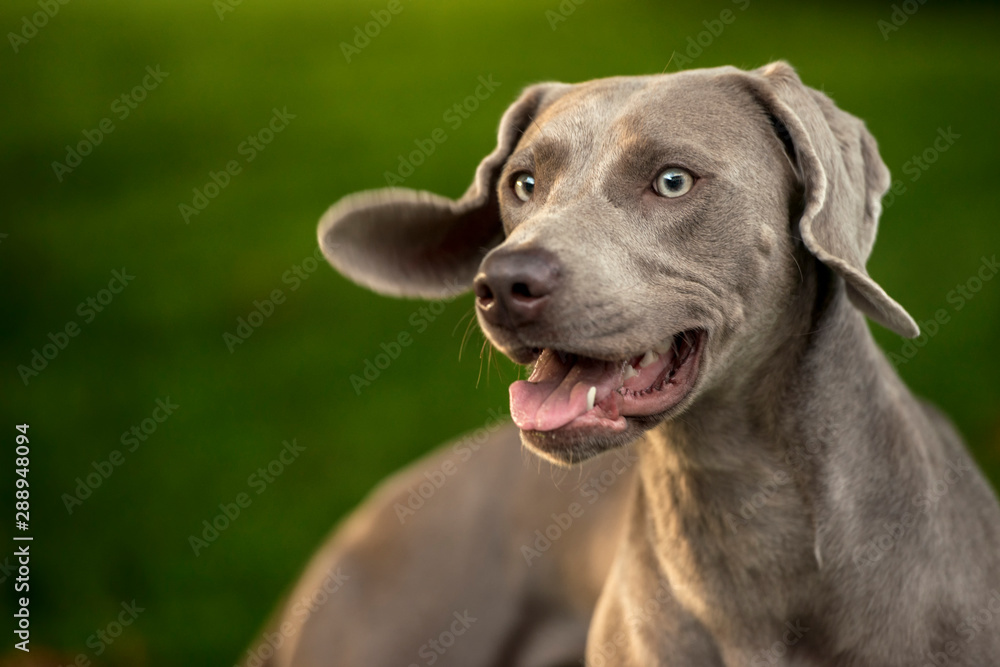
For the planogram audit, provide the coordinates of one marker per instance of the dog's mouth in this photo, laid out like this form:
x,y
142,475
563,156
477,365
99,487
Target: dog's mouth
x,y
570,391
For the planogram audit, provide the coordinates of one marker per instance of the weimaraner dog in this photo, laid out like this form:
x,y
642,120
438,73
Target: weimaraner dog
x,y
680,261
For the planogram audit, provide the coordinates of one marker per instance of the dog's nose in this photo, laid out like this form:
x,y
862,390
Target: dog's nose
x,y
513,288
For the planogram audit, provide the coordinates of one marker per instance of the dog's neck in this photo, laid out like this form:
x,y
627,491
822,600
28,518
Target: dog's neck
x,y
726,505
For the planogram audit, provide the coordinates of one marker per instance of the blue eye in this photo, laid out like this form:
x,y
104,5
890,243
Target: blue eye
x,y
524,185
673,182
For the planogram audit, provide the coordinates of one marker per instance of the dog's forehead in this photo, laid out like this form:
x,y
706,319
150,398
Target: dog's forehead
x,y
707,108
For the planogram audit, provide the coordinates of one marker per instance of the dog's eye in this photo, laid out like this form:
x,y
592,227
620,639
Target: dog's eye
x,y
524,185
673,182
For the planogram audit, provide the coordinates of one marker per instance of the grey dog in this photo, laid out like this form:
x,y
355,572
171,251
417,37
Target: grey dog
x,y
680,259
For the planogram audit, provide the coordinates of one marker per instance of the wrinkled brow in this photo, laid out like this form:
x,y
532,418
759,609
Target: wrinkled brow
x,y
644,156
544,154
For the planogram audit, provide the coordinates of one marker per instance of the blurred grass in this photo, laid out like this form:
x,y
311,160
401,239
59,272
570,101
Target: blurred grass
x,y
163,335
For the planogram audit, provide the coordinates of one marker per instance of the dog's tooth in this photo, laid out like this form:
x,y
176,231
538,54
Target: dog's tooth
x,y
630,372
591,396
648,358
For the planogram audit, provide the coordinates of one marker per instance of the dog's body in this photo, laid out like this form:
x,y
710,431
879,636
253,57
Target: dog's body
x,y
395,579
682,258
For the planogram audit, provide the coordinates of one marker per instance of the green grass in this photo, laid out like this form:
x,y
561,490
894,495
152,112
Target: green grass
x,y
162,336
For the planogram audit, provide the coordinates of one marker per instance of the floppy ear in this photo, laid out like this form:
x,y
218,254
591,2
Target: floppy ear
x,y
844,179
403,242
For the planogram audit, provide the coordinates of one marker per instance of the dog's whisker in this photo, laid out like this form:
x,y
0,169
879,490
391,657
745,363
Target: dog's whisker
x,y
672,54
491,362
537,126
802,278
471,311
481,350
465,337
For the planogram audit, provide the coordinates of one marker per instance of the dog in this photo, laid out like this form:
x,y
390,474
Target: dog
x,y
680,261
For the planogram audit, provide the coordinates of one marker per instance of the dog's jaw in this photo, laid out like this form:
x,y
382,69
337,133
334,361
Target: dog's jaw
x,y
573,407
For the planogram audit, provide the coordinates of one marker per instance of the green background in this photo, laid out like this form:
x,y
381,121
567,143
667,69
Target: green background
x,y
163,335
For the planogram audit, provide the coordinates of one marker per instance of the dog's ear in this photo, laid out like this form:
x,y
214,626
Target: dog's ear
x,y
844,180
407,243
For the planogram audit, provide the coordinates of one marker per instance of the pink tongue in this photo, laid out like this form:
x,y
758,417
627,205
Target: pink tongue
x,y
556,392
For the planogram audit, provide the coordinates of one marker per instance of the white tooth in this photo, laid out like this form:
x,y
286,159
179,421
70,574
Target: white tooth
x,y
648,358
630,372
591,395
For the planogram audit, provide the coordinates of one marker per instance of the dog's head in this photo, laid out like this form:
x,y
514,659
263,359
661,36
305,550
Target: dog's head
x,y
634,239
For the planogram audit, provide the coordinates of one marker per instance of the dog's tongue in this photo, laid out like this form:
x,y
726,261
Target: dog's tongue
x,y
556,392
